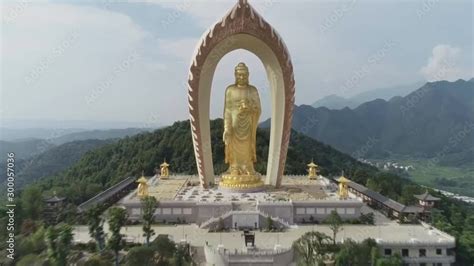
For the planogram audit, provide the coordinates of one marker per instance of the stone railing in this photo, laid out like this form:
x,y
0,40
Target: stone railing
x,y
417,243
431,259
216,219
278,219
222,256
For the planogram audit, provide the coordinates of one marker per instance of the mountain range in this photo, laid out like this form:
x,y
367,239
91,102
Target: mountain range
x,y
338,102
435,121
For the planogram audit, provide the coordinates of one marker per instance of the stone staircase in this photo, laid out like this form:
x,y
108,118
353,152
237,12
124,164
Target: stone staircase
x,y
212,222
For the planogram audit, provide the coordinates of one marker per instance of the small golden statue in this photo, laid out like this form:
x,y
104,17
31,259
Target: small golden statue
x,y
343,190
142,189
164,170
312,170
241,114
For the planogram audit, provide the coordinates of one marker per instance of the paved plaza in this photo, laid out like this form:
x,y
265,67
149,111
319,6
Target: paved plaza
x,y
234,240
179,188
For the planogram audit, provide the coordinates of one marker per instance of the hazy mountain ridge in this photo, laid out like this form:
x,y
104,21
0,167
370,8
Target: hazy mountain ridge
x,y
36,158
100,134
437,120
29,147
338,102
58,158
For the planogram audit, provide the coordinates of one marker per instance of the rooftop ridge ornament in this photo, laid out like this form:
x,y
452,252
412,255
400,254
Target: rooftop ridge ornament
x,y
242,27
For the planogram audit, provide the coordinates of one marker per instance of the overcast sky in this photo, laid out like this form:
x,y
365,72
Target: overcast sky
x,y
129,61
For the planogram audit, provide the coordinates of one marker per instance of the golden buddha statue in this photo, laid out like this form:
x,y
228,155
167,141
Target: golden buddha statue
x,y
241,114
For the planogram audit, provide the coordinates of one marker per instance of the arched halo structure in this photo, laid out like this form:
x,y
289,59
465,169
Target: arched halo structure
x,y
242,28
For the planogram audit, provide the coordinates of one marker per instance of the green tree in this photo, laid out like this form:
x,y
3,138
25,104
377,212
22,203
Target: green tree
x,y
149,205
335,224
466,243
408,192
374,255
30,260
97,260
220,225
373,185
457,218
394,260
181,256
269,223
141,255
117,219
311,248
59,242
34,243
367,218
32,202
353,253
164,247
95,223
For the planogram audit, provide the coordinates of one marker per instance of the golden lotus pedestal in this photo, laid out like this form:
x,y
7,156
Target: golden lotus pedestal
x,y
241,183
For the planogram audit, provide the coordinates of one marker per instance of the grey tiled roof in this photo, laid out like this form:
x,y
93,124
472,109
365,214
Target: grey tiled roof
x,y
106,194
390,203
426,196
55,199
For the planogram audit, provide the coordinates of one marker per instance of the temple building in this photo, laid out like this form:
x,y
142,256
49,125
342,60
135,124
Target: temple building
x,y
426,201
52,209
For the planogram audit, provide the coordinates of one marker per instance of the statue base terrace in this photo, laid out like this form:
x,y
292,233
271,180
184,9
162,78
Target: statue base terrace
x,y
241,183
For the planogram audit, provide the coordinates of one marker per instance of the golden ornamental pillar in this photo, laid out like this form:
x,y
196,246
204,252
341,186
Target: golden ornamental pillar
x,y
313,170
164,168
142,189
343,190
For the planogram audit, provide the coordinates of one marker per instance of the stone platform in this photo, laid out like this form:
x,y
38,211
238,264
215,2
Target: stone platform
x,y
299,199
187,188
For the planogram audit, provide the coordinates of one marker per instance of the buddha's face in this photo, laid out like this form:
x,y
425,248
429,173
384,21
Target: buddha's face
x,y
241,77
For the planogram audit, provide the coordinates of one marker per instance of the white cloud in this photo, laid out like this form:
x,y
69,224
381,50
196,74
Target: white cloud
x,y
180,48
76,48
444,64
55,56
